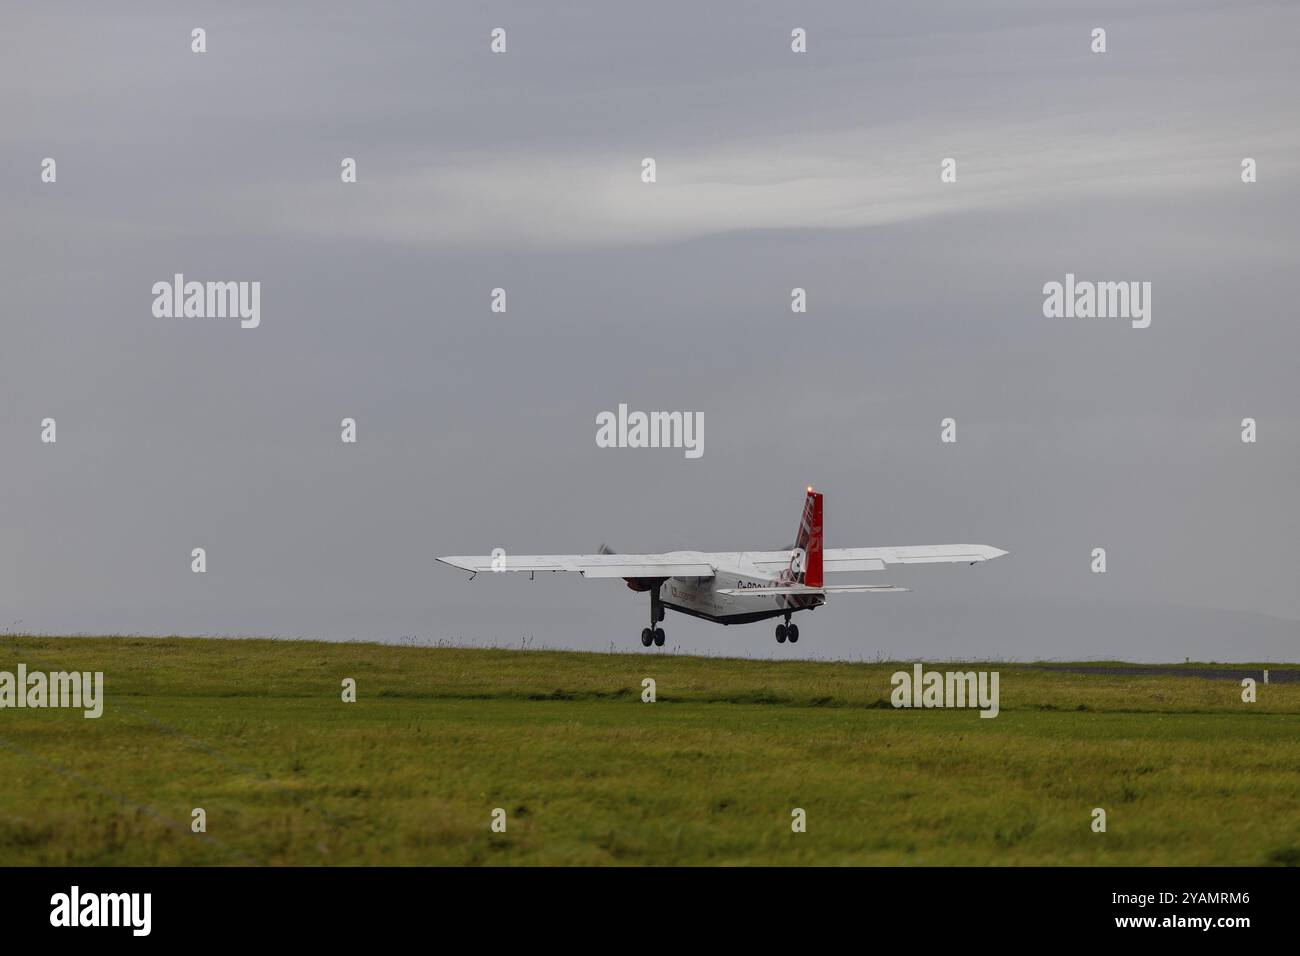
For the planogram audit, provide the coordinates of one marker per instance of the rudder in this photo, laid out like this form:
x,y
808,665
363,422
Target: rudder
x,y
808,543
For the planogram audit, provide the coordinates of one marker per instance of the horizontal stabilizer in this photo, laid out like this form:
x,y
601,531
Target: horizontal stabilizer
x,y
647,571
861,588
842,560
774,589
682,564
804,589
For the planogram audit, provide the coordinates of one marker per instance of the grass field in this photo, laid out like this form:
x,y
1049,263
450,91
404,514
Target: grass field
x,y
256,733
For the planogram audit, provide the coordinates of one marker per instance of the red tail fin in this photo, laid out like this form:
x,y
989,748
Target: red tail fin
x,y
808,544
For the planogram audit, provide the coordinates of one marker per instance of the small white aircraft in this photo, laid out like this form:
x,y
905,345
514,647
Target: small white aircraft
x,y
737,587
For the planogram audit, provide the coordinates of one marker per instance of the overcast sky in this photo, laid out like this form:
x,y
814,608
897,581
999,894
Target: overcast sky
x,y
775,170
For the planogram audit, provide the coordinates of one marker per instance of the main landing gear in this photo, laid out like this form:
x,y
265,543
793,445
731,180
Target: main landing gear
x,y
654,635
787,632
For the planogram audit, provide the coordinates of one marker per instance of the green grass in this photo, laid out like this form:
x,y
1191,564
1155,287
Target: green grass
x,y
255,732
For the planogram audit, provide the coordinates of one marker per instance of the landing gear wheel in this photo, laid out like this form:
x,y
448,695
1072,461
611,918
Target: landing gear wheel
x,y
780,633
647,636
659,636
792,632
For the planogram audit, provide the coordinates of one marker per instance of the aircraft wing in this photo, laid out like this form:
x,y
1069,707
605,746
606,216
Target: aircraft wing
x,y
671,565
836,560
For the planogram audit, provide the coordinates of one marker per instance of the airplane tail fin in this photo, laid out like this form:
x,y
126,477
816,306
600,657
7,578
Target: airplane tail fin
x,y
806,564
